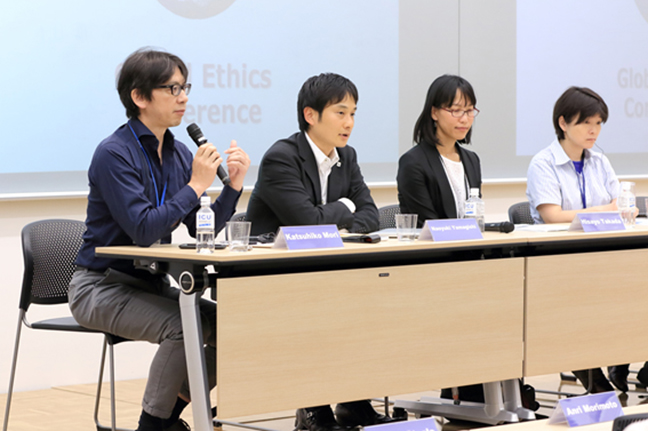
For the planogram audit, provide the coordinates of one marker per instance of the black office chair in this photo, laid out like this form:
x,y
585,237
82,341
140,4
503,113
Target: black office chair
x,y
238,217
49,250
520,213
386,215
622,422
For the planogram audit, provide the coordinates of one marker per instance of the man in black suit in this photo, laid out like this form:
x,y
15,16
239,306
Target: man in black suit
x,y
313,178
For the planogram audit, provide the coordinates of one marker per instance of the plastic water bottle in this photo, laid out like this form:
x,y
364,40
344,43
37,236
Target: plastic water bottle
x,y
626,203
205,221
475,208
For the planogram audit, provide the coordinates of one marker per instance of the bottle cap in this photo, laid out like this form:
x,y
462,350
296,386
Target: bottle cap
x,y
474,192
204,200
627,185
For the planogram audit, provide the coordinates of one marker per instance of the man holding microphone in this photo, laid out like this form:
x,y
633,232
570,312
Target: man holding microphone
x,y
143,184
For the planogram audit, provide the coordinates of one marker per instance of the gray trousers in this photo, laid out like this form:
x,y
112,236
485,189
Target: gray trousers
x,y
131,308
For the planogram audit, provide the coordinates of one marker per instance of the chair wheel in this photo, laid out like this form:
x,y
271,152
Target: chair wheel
x,y
399,413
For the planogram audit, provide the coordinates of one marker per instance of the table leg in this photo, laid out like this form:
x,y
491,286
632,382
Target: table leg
x,y
196,367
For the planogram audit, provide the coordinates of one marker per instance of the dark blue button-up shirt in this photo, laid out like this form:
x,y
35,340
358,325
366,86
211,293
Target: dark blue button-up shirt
x,y
122,203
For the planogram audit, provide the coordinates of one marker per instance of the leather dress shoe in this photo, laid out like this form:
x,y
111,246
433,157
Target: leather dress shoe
x,y
317,419
619,376
600,383
642,375
360,413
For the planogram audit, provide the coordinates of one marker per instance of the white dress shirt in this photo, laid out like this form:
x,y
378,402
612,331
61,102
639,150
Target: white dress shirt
x,y
325,164
552,179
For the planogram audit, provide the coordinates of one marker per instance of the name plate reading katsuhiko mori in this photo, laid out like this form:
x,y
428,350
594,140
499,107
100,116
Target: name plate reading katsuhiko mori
x,y
428,424
597,222
586,410
450,230
305,237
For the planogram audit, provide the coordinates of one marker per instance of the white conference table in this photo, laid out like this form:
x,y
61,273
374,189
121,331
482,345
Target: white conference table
x,y
313,327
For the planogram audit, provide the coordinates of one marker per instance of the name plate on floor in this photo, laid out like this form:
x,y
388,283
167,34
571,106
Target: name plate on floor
x,y
450,230
305,237
428,424
586,410
597,222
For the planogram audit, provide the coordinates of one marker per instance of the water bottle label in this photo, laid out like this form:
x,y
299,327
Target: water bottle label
x,y
205,221
471,209
631,201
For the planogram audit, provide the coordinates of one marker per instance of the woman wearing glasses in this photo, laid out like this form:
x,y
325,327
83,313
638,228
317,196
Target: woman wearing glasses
x,y
436,175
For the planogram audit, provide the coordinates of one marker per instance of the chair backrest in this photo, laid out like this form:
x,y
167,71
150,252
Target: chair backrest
x,y
238,217
622,422
640,201
50,248
520,213
386,215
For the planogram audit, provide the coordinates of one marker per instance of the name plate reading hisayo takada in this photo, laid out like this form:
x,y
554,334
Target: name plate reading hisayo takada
x,y
586,410
597,222
450,230
428,424
303,237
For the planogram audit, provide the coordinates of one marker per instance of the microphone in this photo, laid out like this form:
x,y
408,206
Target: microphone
x,y
504,227
197,136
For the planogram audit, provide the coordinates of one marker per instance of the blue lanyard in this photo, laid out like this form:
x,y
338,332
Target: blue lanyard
x,y
581,182
157,197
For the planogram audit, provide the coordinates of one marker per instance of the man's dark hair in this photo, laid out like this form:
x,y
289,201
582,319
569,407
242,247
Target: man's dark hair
x,y
323,90
578,103
441,94
144,70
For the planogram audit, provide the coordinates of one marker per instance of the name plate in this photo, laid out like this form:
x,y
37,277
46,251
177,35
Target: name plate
x,y
304,237
428,424
450,230
597,222
586,410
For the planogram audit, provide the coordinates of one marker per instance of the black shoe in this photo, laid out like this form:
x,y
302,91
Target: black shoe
x,y
601,384
642,375
619,376
360,413
317,419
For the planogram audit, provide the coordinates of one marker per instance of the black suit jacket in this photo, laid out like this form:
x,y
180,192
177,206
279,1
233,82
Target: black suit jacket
x,y
423,186
287,192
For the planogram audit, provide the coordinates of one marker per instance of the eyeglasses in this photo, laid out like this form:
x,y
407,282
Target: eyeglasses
x,y
177,88
471,113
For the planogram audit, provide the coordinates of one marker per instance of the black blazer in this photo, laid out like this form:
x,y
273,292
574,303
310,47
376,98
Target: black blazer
x,y
423,186
287,191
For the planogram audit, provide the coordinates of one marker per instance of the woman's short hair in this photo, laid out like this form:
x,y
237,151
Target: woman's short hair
x,y
579,103
144,70
441,94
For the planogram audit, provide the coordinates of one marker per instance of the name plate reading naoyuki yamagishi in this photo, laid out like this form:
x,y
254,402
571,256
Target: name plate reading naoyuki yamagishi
x,y
597,222
586,410
450,230
428,424
305,237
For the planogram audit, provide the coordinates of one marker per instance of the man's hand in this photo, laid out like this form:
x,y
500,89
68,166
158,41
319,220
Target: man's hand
x,y
238,163
203,168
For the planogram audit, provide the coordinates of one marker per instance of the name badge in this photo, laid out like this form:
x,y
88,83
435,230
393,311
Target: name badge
x,y
586,410
597,222
428,424
304,237
450,230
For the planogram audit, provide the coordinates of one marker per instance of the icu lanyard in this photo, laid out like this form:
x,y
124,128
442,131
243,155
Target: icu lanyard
x,y
157,196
